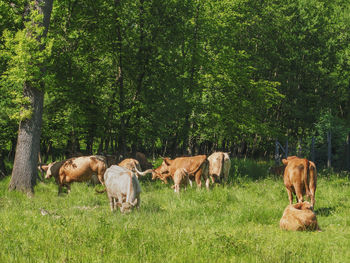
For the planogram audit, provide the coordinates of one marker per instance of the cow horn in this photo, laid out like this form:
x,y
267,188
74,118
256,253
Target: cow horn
x,y
145,172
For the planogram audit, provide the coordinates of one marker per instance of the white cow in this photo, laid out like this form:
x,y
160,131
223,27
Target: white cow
x,y
123,188
219,166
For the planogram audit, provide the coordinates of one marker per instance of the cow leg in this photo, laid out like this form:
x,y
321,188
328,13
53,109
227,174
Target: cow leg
x,y
298,193
290,195
68,188
100,178
111,202
198,180
59,189
138,202
207,183
190,181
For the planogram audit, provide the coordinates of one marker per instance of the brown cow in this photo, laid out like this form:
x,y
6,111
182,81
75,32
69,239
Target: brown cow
x,y
197,166
219,166
180,178
134,165
76,169
144,163
299,217
300,178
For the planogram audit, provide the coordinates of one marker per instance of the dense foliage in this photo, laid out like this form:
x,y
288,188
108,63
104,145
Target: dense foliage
x,y
179,77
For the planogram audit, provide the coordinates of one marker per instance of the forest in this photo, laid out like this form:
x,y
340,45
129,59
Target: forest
x,y
172,78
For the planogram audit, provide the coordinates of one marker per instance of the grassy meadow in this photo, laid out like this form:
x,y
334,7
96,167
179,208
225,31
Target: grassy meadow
x,y
238,222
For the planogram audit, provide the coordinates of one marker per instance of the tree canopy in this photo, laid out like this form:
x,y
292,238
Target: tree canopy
x,y
177,77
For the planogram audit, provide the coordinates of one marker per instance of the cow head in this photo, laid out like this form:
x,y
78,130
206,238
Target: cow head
x,y
161,170
51,169
126,207
303,206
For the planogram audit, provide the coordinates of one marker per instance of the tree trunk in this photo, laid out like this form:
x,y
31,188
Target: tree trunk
x,y
24,173
120,81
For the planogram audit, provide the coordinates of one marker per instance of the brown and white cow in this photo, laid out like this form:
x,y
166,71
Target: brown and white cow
x,y
219,166
180,178
196,166
133,165
300,178
77,169
299,217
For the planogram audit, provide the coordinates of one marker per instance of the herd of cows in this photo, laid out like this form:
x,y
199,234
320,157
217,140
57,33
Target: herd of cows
x,y
123,187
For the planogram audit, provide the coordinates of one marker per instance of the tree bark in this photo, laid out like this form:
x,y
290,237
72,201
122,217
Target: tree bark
x,y
24,173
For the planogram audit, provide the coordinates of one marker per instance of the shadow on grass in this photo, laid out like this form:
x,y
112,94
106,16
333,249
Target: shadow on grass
x,y
325,211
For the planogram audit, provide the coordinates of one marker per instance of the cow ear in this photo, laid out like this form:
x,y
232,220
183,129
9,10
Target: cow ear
x,y
285,161
167,161
43,167
298,206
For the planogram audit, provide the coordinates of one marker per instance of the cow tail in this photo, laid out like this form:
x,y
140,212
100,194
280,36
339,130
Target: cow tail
x,y
306,179
221,175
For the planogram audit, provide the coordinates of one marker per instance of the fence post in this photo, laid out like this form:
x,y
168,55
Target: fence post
x,y
313,149
277,154
299,148
329,140
348,152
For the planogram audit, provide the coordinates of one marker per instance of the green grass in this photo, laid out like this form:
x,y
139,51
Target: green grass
x,y
235,223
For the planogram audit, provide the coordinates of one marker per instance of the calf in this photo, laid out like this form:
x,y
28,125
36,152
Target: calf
x,y
299,217
134,165
180,178
123,188
300,178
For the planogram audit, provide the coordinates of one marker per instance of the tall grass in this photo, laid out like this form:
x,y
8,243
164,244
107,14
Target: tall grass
x,y
238,222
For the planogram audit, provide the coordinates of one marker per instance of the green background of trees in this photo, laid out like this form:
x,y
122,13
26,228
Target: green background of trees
x,y
179,77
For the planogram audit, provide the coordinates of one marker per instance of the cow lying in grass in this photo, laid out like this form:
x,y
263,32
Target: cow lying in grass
x,y
299,217
123,188
78,169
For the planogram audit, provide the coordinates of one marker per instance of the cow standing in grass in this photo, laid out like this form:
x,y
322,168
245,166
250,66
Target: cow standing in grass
x,y
78,169
123,188
300,178
219,166
180,178
196,166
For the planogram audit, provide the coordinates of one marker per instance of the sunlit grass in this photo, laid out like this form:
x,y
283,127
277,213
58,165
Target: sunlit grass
x,y
235,223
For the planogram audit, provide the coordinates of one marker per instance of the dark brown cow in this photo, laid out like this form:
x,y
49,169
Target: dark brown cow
x,y
78,169
196,166
299,217
133,165
144,163
300,178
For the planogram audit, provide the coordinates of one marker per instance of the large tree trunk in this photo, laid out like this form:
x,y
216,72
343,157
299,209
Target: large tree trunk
x,y
120,81
24,173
